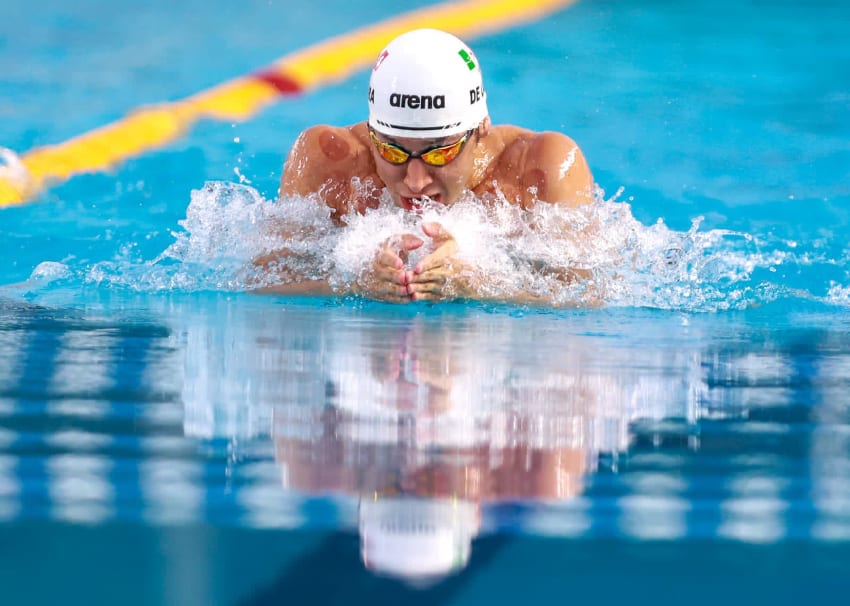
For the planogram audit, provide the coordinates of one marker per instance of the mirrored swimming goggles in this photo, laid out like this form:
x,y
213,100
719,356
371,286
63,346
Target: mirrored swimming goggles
x,y
439,155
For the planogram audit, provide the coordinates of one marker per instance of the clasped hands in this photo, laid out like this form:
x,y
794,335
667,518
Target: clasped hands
x,y
436,277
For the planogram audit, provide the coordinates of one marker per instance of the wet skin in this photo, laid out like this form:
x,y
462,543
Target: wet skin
x,y
526,167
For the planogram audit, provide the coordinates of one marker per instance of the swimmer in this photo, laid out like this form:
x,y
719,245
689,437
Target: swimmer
x,y
428,137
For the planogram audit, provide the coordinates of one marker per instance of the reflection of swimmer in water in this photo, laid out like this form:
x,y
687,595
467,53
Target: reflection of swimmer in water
x,y
429,136
415,422
420,500
428,434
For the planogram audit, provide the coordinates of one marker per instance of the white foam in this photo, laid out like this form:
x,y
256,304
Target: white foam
x,y
838,294
47,271
507,249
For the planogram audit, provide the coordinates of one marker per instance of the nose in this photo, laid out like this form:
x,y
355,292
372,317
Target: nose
x,y
417,177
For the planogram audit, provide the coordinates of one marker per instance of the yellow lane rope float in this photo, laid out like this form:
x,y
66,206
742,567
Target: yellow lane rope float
x,y
151,127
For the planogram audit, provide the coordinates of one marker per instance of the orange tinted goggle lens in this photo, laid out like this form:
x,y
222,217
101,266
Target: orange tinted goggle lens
x,y
440,156
436,156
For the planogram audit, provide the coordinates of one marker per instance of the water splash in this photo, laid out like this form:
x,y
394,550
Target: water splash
x,y
227,227
839,294
48,271
232,238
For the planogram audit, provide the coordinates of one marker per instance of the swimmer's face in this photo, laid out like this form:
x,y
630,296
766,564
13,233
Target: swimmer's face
x,y
411,182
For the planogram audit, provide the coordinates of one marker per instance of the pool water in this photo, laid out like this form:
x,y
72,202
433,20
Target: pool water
x,y
166,438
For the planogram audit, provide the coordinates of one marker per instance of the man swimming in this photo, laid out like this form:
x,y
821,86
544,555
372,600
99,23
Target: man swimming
x,y
428,138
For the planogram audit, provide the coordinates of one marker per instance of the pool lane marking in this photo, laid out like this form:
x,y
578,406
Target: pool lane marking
x,y
332,60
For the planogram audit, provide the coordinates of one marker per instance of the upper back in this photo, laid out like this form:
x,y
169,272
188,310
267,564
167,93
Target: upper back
x,y
529,167
325,160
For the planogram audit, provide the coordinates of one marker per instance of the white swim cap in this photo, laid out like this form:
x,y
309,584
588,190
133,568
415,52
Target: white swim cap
x,y
417,539
426,84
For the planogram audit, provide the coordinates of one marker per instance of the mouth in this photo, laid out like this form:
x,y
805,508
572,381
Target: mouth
x,y
416,204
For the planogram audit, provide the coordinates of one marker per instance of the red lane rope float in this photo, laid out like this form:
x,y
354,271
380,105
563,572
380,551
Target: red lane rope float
x,y
236,100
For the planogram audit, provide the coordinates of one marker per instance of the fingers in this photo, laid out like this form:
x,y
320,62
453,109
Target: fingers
x,y
389,260
377,287
397,248
386,279
446,246
435,281
438,262
430,280
428,293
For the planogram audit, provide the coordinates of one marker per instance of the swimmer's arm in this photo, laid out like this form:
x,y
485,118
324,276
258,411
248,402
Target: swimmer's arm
x,y
287,282
305,288
385,279
563,177
305,174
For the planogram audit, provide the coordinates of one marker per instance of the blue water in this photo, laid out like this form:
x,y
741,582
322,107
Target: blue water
x,y
168,439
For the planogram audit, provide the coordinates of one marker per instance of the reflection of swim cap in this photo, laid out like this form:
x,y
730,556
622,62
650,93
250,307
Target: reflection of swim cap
x,y
426,84
416,539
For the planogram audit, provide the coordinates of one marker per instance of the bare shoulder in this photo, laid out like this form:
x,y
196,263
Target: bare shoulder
x,y
550,166
325,154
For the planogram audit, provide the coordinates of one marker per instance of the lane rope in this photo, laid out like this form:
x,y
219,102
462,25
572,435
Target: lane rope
x,y
147,128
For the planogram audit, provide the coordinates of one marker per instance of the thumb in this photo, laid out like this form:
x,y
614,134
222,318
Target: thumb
x,y
436,231
410,242
404,243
